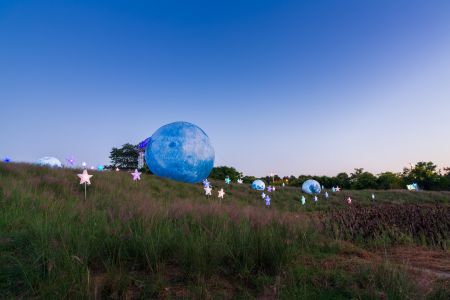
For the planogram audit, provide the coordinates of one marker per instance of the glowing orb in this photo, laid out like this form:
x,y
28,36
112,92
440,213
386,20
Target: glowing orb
x,y
311,186
180,151
258,185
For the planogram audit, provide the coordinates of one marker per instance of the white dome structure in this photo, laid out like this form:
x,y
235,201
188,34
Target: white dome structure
x,y
49,161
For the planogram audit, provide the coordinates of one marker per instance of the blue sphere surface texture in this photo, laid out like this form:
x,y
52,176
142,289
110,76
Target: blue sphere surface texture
x,y
258,185
311,186
180,151
49,161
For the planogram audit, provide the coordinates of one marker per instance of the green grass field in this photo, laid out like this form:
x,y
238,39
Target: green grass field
x,y
161,239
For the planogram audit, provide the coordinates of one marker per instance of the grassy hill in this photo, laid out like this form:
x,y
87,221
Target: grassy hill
x,y
157,238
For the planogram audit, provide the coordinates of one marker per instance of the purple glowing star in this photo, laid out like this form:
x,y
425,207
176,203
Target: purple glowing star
x,y
71,160
269,189
136,175
206,183
267,201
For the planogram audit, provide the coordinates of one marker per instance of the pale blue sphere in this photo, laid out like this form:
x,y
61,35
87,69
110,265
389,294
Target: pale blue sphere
x,y
311,186
258,185
181,151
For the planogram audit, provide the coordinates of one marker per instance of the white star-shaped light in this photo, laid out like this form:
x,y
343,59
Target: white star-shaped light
x,y
136,175
221,193
117,169
84,164
85,177
263,195
349,200
208,191
337,189
240,181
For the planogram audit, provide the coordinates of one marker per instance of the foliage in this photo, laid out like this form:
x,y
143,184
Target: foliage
x,y
125,157
220,173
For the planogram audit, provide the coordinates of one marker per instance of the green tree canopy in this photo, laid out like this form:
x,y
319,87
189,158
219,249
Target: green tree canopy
x,y
125,157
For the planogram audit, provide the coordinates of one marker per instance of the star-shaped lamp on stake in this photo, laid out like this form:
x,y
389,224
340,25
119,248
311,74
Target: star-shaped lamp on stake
x,y
7,160
136,175
269,189
337,189
240,181
208,190
206,183
221,193
227,180
85,179
263,195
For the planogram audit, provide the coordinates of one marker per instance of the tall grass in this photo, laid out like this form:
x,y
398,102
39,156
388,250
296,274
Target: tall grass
x,y
161,239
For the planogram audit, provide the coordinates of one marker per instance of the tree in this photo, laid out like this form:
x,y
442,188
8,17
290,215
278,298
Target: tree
x,y
389,180
363,180
222,172
424,174
342,180
125,157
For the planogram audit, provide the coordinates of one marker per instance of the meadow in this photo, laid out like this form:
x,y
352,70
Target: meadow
x,y
161,239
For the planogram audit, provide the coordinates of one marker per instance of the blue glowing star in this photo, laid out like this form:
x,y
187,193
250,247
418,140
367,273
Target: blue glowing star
x,y
7,160
180,151
100,168
227,180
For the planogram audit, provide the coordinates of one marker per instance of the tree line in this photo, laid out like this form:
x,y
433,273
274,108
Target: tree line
x,y
425,174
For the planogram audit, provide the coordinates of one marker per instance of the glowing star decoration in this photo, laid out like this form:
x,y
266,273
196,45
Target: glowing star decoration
x,y
273,189
7,160
269,189
221,194
337,189
333,189
349,200
263,195
303,199
227,180
136,175
85,179
316,199
117,169
180,151
92,168
373,196
71,161
267,199
240,181
206,183
326,195
100,168
84,164
208,190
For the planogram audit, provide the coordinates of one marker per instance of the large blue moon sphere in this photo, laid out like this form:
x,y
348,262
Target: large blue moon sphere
x,y
181,151
311,186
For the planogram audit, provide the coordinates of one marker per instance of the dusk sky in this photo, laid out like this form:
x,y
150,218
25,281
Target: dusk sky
x,y
294,87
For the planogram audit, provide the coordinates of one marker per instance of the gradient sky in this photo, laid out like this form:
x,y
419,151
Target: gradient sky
x,y
295,87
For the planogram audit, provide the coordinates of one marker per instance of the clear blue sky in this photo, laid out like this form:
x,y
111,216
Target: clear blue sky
x,y
295,87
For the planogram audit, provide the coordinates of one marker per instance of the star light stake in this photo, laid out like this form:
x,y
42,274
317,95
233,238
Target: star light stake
x,y
240,181
84,164
208,190
221,194
263,195
337,189
227,180
303,200
326,195
316,199
206,183
85,179
373,196
7,160
267,201
71,161
136,175
269,189
349,200
117,169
